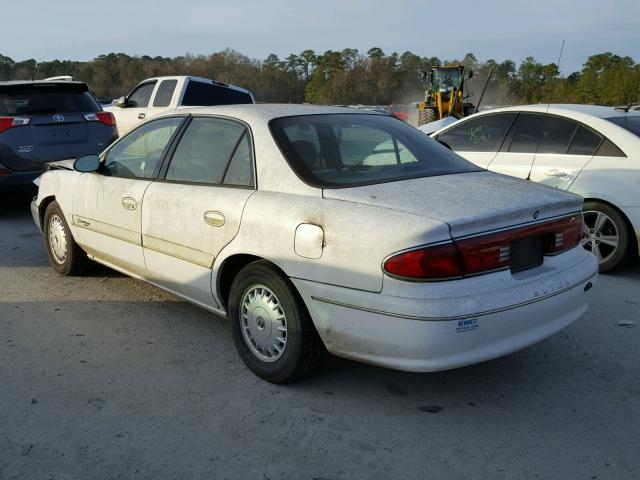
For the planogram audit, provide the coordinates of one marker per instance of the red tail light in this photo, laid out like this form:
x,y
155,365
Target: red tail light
x,y
9,122
103,117
482,254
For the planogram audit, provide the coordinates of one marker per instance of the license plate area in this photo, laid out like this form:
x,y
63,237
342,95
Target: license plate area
x,y
526,253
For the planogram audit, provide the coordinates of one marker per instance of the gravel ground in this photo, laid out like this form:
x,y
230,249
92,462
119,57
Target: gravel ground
x,y
104,377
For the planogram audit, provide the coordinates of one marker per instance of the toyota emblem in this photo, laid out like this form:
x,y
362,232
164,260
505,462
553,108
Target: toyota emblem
x,y
58,117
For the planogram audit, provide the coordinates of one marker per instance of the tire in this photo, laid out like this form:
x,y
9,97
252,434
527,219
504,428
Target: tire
x,y
427,115
469,111
263,305
65,255
605,234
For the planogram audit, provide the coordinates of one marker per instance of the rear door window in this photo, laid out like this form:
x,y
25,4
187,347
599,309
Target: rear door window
x,y
206,94
212,151
140,97
482,134
165,93
585,142
540,133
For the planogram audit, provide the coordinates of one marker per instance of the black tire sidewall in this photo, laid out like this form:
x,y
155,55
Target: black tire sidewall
x,y
623,233
283,369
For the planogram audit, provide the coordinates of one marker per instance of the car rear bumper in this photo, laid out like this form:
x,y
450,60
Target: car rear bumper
x,y
442,332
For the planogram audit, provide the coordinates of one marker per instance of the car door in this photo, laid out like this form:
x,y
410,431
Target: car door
x,y
135,109
478,139
107,205
518,150
565,148
194,210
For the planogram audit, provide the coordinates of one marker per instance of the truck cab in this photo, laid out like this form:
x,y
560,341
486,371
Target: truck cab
x,y
159,94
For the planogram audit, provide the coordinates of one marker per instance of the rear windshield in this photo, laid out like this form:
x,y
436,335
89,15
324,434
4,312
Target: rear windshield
x,y
34,99
207,94
346,150
630,122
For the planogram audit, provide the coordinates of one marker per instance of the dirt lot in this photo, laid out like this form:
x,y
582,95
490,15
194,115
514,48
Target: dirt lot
x,y
106,377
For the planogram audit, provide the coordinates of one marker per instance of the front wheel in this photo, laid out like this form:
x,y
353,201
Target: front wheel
x,y
271,327
65,255
605,234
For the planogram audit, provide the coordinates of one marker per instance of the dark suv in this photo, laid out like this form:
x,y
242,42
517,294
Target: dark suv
x,y
44,121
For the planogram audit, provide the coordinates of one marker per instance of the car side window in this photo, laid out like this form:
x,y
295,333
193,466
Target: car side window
x,y
556,133
585,142
165,93
140,97
525,134
138,154
212,151
482,134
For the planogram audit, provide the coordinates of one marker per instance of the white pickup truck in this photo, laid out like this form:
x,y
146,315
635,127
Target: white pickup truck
x,y
156,95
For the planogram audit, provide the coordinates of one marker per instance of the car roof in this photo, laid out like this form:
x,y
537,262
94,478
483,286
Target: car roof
x,y
42,82
566,109
268,111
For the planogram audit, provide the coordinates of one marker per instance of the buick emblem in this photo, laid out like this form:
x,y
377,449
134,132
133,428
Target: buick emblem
x,y
535,214
58,117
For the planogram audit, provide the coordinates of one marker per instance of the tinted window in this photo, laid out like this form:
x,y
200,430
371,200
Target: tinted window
x,y
482,134
608,149
360,149
555,134
164,93
205,94
630,122
137,155
204,151
525,134
139,98
46,99
584,142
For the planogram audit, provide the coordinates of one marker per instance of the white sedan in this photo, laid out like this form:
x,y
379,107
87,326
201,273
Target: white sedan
x,y
313,228
590,150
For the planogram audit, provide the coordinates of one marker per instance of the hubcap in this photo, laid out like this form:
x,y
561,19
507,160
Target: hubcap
x,y
57,239
600,235
263,323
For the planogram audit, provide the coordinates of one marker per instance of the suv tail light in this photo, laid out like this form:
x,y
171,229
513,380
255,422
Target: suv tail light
x,y
103,117
9,122
483,253
4,170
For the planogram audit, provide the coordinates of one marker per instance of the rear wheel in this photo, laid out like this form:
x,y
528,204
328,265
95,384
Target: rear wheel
x,y
65,255
271,327
605,234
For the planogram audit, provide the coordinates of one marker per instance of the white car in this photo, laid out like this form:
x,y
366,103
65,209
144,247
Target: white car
x,y
314,227
589,150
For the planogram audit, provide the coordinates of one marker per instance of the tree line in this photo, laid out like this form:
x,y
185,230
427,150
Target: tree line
x,y
351,77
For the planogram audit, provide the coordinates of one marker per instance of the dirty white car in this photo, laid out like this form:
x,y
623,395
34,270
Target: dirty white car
x,y
316,227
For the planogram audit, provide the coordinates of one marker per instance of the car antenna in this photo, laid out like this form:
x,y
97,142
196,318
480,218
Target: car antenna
x,y
547,109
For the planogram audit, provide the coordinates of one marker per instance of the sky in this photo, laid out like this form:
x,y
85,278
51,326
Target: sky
x,y
82,30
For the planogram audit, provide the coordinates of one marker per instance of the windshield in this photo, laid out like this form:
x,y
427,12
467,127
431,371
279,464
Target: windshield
x,y
46,99
344,150
630,122
445,78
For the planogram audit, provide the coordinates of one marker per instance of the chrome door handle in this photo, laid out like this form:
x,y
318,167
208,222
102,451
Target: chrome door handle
x,y
129,203
213,218
141,116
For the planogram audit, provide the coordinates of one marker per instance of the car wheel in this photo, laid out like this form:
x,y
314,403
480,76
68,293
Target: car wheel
x,y
605,234
271,327
65,255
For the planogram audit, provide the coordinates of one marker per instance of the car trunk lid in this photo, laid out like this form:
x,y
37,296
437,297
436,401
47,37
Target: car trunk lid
x,y
470,203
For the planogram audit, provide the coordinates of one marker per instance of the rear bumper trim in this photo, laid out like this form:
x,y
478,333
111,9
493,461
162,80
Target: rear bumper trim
x,y
456,317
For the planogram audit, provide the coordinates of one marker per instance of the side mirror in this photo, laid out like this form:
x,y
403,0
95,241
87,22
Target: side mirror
x,y
470,73
120,102
88,163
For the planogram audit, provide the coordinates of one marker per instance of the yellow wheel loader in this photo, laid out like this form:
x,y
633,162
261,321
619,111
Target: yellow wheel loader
x,y
446,94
